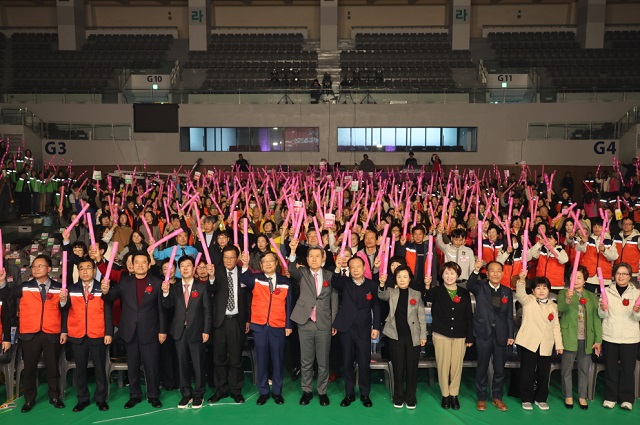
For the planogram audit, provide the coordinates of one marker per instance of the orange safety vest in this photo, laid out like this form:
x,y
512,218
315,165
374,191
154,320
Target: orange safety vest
x,y
411,257
592,259
628,253
269,308
86,317
37,315
510,270
550,267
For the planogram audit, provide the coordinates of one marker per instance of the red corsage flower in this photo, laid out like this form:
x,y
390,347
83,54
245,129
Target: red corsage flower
x,y
369,296
625,302
148,289
412,301
551,316
456,299
583,300
325,283
194,294
49,296
276,291
504,300
91,296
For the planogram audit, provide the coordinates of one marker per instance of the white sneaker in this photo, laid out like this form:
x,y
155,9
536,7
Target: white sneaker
x,y
542,405
626,405
527,406
411,406
398,405
609,404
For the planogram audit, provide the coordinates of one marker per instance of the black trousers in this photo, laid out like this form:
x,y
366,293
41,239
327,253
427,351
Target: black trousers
x,y
191,354
405,358
619,378
169,364
41,344
143,354
356,348
534,375
83,350
228,375
487,349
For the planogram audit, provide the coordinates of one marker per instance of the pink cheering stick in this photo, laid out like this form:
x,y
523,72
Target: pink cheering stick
x,y
345,237
603,290
429,256
637,303
245,234
61,196
78,217
198,258
480,234
65,260
171,264
318,233
384,262
574,272
235,227
163,240
203,242
278,253
92,235
576,221
525,245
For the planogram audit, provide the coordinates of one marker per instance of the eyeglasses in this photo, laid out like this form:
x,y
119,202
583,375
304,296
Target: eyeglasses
x,y
622,274
84,269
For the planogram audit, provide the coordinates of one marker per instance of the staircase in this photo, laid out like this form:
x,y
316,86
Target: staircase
x,y
329,61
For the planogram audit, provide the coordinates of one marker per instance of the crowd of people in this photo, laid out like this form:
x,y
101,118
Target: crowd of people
x,y
179,271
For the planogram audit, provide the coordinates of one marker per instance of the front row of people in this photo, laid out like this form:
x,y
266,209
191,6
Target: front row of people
x,y
214,308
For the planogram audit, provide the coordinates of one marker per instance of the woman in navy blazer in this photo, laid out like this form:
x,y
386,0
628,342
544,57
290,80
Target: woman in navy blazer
x,y
452,330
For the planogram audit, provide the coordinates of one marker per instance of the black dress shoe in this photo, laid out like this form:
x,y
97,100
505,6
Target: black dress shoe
x,y
295,373
27,406
238,398
278,398
262,399
155,402
80,406
366,401
306,398
217,397
102,406
57,403
132,402
455,404
346,402
445,402
324,400
568,406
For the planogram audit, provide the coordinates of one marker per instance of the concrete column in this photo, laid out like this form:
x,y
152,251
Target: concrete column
x,y
328,24
460,24
591,17
199,24
71,24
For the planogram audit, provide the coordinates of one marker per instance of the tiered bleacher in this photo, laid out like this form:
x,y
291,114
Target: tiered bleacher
x,y
39,65
235,61
404,61
562,63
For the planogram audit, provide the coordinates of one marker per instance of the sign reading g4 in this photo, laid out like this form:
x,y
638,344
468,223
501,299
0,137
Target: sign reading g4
x,y
55,148
601,147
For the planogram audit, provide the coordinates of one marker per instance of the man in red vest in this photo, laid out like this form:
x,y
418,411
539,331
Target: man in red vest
x,y
89,327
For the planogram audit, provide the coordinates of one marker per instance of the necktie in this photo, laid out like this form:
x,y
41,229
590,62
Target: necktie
x,y
43,291
313,311
183,254
86,293
270,283
230,301
344,272
186,294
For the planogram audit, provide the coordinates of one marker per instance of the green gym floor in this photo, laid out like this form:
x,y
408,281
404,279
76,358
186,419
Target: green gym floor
x,y
382,412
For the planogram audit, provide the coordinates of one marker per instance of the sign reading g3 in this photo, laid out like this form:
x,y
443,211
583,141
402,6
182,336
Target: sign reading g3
x,y
55,148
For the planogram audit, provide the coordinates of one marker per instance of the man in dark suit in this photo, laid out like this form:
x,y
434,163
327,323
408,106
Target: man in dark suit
x,y
190,328
89,327
353,322
314,313
41,308
230,324
493,330
142,326
210,242
270,321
